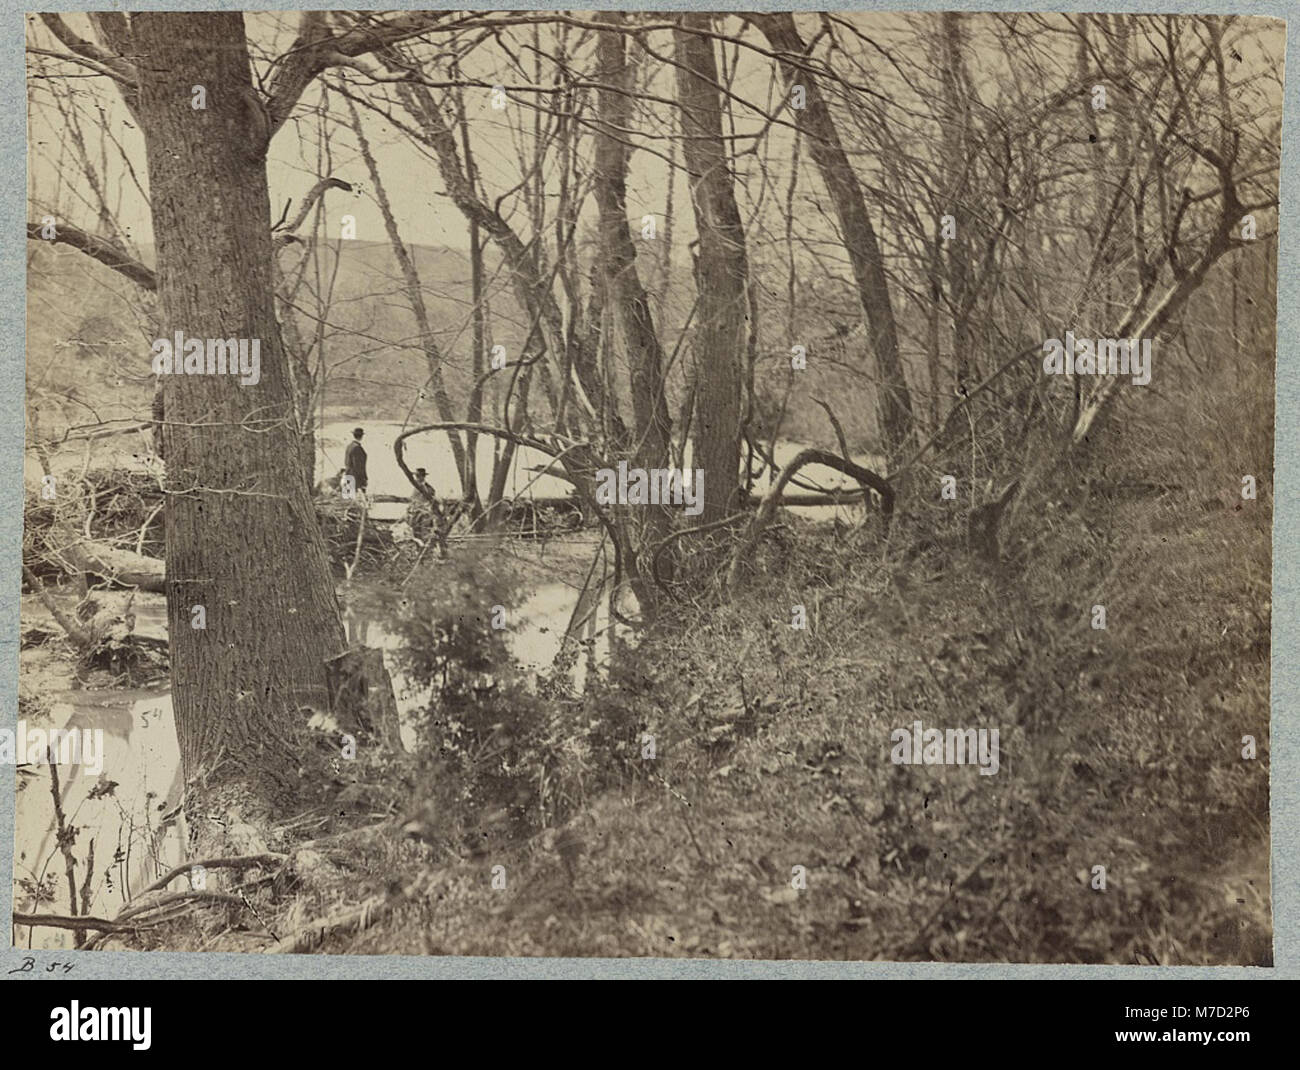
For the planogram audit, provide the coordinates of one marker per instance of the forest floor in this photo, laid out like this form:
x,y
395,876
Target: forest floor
x,y
1119,748
771,822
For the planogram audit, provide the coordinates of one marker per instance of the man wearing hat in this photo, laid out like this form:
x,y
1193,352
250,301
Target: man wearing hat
x,y
354,460
419,513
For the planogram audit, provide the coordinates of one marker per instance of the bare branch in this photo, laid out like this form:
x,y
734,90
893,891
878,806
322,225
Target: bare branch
x,y
116,67
100,249
315,49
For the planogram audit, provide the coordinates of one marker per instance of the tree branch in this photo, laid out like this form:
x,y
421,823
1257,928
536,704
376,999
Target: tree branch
x,y
745,552
316,49
120,70
285,234
106,252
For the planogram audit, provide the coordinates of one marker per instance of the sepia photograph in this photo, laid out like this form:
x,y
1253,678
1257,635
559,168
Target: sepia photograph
x,y
649,485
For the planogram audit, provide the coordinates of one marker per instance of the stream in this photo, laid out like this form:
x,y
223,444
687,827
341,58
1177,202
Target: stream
x,y
141,756
432,452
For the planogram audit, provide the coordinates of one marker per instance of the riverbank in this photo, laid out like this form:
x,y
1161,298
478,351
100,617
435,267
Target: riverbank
x,y
121,812
727,789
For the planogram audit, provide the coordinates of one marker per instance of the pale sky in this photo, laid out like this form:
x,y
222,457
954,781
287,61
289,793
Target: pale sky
x,y
411,178
502,139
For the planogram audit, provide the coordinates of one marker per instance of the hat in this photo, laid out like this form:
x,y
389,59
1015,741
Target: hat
x,y
420,472
357,432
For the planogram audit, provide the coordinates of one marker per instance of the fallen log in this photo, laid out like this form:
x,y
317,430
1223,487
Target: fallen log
x,y
123,567
846,496
775,498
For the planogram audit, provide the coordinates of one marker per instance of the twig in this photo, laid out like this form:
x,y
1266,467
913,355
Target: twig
x,y
137,908
62,834
90,872
361,532
139,542
234,862
78,923
839,431
681,534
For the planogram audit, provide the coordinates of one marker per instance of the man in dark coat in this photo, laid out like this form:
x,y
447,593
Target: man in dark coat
x,y
420,511
354,460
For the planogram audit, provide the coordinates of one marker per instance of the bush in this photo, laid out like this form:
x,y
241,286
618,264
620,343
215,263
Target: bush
x,y
498,761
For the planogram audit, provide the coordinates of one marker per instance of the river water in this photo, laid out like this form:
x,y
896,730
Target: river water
x,y
432,452
141,755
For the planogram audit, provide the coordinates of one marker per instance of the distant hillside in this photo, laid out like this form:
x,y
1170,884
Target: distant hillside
x,y
89,332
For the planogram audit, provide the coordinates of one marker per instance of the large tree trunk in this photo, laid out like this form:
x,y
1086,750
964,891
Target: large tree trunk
x,y
625,296
242,538
894,400
720,272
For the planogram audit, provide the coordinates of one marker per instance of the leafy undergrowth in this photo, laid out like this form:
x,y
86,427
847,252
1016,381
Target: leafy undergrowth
x,y
1119,748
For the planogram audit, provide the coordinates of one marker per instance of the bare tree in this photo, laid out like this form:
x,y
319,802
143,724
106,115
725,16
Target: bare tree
x,y
721,270
894,400
242,537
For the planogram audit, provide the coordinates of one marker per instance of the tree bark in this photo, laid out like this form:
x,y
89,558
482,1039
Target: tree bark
x,y
242,539
625,296
894,401
957,185
721,270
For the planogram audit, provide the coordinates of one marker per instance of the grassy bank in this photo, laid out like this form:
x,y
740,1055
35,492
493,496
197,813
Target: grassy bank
x,y
1119,748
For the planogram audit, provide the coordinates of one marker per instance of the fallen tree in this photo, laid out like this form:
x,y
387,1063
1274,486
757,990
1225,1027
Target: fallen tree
x,y
868,480
124,567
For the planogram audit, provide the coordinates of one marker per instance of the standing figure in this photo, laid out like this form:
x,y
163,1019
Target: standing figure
x,y
419,513
354,460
